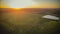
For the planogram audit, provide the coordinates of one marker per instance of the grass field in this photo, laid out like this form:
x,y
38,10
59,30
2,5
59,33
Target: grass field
x,y
28,21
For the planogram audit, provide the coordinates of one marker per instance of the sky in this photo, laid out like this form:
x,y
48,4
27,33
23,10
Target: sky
x,y
25,3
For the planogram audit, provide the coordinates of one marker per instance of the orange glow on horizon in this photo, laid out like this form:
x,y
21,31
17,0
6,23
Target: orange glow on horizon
x,y
34,6
16,11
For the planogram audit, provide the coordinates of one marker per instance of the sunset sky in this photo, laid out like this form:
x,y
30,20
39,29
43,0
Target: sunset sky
x,y
29,4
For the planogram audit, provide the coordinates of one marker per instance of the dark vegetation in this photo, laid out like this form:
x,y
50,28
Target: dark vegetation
x,y
29,21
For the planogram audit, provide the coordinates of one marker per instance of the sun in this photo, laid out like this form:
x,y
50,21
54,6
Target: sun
x,y
16,8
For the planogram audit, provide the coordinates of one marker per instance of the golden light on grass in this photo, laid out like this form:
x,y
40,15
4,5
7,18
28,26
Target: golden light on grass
x,y
16,8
